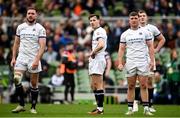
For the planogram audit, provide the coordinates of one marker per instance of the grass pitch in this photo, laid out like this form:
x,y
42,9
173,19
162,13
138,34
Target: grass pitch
x,y
80,110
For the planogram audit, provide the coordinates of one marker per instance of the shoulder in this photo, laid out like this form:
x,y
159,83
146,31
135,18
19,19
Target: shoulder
x,y
39,26
144,29
125,33
99,30
152,27
22,25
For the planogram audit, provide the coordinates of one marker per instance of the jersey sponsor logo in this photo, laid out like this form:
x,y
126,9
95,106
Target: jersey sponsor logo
x,y
44,33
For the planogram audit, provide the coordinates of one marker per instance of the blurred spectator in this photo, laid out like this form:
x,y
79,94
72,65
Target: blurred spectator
x,y
150,7
68,13
117,31
57,79
49,31
68,68
3,37
170,36
110,38
178,39
80,27
78,7
50,55
2,59
106,76
81,62
60,53
174,78
89,6
56,43
70,28
45,68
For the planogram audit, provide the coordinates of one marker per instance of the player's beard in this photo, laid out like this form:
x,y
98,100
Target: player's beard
x,y
32,21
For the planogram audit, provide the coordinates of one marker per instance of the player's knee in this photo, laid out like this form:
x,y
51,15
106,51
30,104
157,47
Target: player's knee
x,y
143,86
18,78
131,86
93,86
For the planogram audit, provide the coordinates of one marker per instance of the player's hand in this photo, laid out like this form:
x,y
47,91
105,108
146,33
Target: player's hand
x,y
156,50
13,62
151,65
120,67
35,64
92,55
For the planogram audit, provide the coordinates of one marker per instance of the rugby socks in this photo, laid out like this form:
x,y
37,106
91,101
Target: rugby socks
x,y
151,95
34,97
20,94
100,99
130,105
137,93
145,105
95,96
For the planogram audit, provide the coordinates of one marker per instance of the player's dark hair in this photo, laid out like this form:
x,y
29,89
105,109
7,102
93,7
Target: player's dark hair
x,y
92,15
31,8
133,13
141,11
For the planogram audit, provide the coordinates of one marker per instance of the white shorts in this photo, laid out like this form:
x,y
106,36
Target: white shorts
x,y
133,69
24,64
97,65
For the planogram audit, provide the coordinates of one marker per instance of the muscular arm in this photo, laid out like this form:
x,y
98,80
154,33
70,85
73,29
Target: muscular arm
x,y
151,52
160,43
15,47
108,67
100,45
42,43
122,47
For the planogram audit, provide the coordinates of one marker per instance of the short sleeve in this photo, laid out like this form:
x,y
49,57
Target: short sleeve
x,y
156,31
100,34
18,31
148,35
123,38
42,33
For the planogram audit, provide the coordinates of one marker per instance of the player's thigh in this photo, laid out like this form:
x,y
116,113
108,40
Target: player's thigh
x,y
143,80
150,80
34,78
97,80
131,81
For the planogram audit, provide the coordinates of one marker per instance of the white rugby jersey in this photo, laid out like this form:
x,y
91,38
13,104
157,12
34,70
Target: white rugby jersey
x,y
99,33
29,38
153,29
136,47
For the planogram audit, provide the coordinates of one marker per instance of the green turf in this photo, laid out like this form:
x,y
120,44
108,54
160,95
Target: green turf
x,y
51,110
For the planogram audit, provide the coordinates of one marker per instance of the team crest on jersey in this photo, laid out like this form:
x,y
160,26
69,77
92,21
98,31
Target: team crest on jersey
x,y
44,32
140,33
34,29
